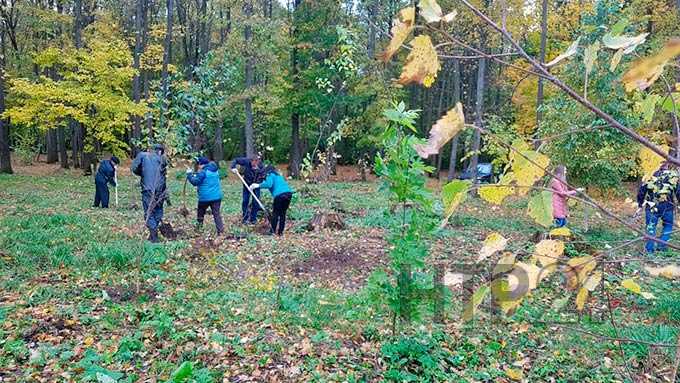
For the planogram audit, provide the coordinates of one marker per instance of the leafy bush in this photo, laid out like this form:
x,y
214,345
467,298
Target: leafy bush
x,y
420,358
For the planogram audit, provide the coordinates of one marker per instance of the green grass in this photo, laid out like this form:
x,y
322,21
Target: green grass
x,y
69,274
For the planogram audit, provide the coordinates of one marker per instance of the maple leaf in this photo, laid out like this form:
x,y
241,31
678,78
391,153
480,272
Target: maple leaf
x,y
643,73
540,208
548,251
669,271
401,28
443,131
494,242
650,161
422,63
568,53
474,302
453,194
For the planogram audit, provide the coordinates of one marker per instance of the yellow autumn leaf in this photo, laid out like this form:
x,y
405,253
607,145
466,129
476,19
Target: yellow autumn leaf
x,y
593,281
443,131
514,374
548,251
669,271
494,242
88,341
474,302
643,73
528,167
650,161
590,56
631,285
581,298
453,194
623,43
422,63
496,194
401,28
560,231
577,270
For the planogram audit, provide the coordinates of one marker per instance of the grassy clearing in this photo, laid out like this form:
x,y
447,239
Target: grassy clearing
x,y
255,308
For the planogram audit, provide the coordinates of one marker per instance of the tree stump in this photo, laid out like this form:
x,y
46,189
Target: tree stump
x,y
323,220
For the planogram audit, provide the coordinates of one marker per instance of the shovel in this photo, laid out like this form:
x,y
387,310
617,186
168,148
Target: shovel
x,y
269,216
115,180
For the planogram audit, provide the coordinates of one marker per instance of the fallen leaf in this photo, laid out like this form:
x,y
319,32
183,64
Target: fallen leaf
x,y
669,271
581,298
514,374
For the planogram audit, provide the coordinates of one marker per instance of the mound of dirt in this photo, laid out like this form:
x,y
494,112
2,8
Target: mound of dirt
x,y
169,232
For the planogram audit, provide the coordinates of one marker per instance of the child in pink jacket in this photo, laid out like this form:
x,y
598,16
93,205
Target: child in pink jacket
x,y
560,194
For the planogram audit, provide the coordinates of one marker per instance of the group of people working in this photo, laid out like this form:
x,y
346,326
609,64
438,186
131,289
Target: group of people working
x,y
657,196
151,167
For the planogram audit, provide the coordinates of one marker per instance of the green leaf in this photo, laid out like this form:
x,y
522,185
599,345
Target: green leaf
x,y
619,27
540,208
182,373
453,194
667,104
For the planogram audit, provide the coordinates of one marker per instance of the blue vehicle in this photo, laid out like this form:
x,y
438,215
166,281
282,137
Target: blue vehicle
x,y
484,173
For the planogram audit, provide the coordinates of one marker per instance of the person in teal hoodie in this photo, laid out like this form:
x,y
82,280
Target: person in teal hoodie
x,y
282,194
207,180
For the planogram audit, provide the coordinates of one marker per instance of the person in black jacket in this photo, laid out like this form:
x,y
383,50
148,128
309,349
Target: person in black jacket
x,y
151,167
106,174
658,197
253,172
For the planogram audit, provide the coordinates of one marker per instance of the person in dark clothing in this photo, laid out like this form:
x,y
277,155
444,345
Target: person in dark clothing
x,y
106,174
151,167
282,194
658,196
207,180
253,172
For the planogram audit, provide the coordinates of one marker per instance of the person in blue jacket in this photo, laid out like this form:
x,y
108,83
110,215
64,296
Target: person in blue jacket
x,y
106,174
207,181
282,194
253,172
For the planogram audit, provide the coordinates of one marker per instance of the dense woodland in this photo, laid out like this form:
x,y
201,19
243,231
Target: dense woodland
x,y
295,80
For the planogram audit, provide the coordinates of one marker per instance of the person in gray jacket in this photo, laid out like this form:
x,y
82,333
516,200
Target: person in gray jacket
x,y
151,167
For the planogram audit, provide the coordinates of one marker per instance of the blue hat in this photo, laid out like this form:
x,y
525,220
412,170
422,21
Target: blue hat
x,y
203,161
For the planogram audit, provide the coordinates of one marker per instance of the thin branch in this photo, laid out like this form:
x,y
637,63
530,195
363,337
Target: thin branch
x,y
543,72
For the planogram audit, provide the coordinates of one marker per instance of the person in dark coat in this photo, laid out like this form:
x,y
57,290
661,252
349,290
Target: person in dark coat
x,y
253,172
658,196
151,166
106,174
207,181
282,194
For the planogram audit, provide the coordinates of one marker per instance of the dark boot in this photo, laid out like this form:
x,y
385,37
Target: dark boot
x,y
153,236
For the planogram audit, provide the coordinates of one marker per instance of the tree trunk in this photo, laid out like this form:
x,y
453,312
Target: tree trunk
x,y
544,36
295,160
372,30
440,112
61,143
453,161
479,108
167,56
5,155
204,35
136,81
248,130
218,144
51,144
